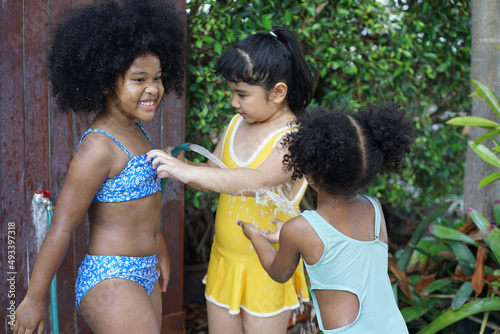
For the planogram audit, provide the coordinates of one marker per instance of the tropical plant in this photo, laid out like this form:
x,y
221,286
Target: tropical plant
x,y
449,271
492,127
453,271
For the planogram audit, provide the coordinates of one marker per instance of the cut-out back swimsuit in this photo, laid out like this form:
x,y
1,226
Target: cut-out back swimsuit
x,y
359,267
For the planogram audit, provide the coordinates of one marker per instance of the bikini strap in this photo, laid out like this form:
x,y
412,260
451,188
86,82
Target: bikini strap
x,y
377,215
144,131
110,136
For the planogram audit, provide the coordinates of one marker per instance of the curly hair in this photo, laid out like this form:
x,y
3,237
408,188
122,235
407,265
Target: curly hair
x,y
342,152
95,44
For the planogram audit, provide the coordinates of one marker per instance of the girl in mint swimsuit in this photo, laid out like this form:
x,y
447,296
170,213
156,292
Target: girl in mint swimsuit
x,y
115,59
344,241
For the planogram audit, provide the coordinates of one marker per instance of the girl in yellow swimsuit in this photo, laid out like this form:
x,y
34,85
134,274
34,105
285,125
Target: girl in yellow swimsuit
x,y
270,84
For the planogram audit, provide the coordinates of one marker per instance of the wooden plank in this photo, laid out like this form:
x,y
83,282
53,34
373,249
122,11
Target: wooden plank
x,y
173,213
12,175
35,118
173,210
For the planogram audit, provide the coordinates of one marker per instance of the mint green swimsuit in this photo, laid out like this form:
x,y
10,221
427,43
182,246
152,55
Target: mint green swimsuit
x,y
359,267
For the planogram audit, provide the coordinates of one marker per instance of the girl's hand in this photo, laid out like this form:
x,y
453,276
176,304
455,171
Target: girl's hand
x,y
274,236
163,264
29,314
249,230
163,267
168,166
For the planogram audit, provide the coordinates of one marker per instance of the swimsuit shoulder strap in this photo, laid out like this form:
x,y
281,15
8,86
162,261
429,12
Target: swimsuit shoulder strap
x,y
377,215
144,131
110,136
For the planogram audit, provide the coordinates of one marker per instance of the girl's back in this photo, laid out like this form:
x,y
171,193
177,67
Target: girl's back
x,y
349,281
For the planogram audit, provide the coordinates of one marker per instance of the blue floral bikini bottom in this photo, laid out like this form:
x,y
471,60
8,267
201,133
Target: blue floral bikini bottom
x,y
96,268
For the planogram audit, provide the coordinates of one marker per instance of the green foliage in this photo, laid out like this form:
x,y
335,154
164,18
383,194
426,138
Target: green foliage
x,y
444,261
360,52
453,269
493,128
434,171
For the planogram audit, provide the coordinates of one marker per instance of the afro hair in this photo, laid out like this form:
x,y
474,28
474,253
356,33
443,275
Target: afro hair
x,y
342,151
94,44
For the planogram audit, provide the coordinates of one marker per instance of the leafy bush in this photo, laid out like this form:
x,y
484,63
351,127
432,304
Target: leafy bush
x,y
360,52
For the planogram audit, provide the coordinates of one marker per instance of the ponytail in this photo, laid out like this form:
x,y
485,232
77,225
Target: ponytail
x,y
392,133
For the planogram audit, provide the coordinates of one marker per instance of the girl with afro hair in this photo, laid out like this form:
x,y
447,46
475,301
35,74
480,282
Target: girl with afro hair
x,y
117,60
344,241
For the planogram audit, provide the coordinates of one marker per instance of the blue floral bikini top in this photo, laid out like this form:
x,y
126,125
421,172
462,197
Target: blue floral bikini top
x,y
138,178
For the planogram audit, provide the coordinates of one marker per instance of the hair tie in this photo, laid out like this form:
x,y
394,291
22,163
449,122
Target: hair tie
x,y
273,34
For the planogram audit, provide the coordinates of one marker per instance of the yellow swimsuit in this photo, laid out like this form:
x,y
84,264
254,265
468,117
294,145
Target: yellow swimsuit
x,y
235,277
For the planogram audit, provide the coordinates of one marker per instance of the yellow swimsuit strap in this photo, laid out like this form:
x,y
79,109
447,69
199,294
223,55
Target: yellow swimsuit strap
x,y
264,150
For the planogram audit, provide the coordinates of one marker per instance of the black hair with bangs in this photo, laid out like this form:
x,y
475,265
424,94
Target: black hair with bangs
x,y
264,59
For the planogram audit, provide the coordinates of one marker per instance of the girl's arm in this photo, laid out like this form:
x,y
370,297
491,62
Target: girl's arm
x,y
86,173
234,181
168,152
281,264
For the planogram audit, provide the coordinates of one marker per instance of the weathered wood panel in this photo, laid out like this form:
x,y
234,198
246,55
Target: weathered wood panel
x,y
12,177
37,143
173,214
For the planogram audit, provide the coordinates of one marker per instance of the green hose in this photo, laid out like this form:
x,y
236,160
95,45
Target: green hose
x,y
179,148
175,152
54,316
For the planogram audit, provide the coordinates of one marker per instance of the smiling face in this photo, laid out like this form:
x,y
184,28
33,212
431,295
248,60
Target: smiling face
x,y
252,102
138,91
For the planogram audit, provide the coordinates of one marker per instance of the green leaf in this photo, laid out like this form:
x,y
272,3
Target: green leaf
x,y
494,237
413,312
266,22
288,17
487,95
439,211
447,233
486,136
473,121
310,10
496,210
435,285
407,53
218,48
485,154
431,55
398,71
489,179
451,316
208,39
229,35
478,219
461,296
351,69
464,256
